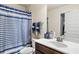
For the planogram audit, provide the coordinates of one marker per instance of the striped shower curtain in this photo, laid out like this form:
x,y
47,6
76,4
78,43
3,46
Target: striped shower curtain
x,y
15,26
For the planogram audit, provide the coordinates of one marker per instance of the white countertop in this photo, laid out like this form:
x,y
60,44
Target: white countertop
x,y
71,48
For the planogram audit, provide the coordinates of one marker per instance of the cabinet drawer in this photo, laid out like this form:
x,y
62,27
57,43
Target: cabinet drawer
x,y
46,50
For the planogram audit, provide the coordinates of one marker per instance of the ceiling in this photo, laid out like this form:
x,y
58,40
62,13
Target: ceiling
x,y
51,6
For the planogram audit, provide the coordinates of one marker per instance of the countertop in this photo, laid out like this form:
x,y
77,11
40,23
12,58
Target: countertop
x,y
70,48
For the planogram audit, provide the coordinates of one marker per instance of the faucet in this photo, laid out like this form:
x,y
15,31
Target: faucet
x,y
60,38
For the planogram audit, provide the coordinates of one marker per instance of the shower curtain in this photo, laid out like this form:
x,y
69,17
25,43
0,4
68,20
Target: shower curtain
x,y
15,28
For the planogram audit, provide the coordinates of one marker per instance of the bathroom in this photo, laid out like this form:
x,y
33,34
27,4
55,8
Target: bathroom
x,y
39,29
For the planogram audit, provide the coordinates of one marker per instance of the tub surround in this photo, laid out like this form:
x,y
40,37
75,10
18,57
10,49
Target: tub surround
x,y
66,47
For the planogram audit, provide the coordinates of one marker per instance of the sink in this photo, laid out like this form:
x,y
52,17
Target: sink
x,y
59,44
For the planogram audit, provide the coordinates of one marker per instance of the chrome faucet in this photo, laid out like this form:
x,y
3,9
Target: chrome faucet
x,y
60,38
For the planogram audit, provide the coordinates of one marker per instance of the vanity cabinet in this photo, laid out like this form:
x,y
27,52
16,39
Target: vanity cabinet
x,y
42,49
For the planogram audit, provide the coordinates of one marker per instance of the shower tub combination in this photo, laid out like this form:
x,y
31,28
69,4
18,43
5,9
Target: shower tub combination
x,y
15,29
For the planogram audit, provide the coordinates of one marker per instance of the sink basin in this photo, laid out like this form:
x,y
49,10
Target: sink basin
x,y
59,44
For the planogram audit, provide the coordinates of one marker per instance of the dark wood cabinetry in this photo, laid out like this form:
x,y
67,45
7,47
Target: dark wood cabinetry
x,y
42,49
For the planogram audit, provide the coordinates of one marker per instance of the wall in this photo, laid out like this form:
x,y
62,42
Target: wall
x,y
39,13
17,6
54,16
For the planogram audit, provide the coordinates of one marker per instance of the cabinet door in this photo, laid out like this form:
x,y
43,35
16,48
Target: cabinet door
x,y
38,52
46,50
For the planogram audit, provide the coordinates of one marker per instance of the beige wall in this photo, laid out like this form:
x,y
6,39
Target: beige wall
x,y
17,6
54,16
39,13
